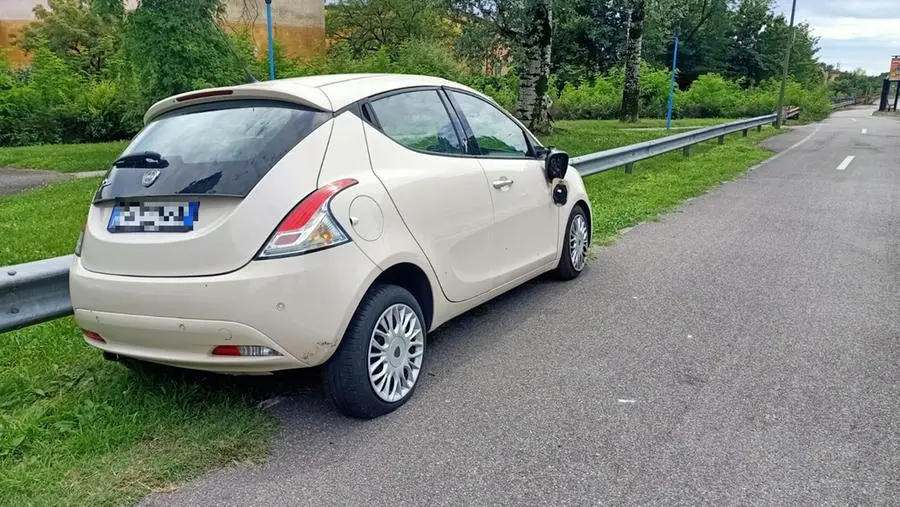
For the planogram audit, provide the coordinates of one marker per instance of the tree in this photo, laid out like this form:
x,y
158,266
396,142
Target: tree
x,y
174,46
588,38
369,25
83,37
526,25
749,23
631,93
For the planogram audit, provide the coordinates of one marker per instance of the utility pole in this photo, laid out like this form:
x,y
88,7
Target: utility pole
x,y
271,40
787,65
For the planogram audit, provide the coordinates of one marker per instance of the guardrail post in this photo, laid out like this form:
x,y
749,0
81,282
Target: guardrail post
x,y
687,151
721,140
628,167
745,132
759,128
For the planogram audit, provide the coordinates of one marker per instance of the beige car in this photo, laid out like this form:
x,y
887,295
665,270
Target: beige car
x,y
329,220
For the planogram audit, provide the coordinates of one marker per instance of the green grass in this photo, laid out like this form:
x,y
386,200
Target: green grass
x,y
78,430
67,158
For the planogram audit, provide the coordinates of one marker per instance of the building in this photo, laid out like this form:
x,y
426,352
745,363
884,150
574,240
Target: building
x,y
299,24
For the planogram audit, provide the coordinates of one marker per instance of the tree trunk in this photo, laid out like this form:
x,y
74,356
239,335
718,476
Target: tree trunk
x,y
533,106
631,94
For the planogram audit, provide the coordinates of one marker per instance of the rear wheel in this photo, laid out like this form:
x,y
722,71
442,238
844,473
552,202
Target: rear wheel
x,y
576,246
378,364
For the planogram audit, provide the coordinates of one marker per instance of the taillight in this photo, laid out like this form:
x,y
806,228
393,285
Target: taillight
x,y
244,351
310,225
80,241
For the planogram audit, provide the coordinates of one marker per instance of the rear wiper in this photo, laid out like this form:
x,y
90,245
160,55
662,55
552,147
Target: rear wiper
x,y
141,160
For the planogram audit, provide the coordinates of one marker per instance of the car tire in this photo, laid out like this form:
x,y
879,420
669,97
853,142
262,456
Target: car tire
x,y
577,239
370,373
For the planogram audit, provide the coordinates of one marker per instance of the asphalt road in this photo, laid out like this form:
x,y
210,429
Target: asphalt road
x,y
744,350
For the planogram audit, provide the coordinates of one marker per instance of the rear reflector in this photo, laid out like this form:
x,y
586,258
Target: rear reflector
x,y
90,335
204,95
244,351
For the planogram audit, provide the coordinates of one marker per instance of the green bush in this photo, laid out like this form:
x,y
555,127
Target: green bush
x,y
713,96
52,103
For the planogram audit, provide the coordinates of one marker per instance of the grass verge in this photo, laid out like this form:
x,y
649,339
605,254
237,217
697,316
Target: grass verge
x,y
67,158
78,430
660,184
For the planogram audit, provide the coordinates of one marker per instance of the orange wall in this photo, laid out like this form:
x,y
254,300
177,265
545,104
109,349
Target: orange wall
x,y
298,41
9,29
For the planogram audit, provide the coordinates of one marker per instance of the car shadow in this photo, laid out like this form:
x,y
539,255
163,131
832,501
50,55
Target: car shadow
x,y
296,398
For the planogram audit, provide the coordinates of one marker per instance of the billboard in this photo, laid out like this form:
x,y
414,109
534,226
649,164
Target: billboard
x,y
895,69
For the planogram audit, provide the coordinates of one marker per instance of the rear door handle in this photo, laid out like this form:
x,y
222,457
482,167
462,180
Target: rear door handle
x,y
503,183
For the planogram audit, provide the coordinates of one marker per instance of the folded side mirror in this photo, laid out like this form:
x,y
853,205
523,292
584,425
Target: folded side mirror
x,y
556,164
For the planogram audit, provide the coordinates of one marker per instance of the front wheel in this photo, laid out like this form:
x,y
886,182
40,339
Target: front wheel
x,y
378,364
576,246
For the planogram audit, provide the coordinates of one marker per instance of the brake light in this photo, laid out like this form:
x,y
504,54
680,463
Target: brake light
x,y
204,95
310,226
80,241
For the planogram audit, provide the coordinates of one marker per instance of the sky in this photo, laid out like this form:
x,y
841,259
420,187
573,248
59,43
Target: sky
x,y
853,33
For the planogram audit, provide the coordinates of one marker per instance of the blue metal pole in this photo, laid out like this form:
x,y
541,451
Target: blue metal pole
x,y
672,86
271,40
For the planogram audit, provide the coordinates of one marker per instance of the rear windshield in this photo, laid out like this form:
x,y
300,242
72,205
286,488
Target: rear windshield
x,y
222,148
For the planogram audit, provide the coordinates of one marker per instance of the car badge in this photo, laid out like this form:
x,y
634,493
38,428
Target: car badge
x,y
150,177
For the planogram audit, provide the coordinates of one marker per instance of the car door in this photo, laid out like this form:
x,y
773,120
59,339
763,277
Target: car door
x,y
441,192
526,222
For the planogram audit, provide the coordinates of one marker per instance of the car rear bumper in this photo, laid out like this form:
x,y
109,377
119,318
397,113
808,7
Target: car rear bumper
x,y
298,306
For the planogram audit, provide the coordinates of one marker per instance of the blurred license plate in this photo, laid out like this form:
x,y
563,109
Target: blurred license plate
x,y
154,217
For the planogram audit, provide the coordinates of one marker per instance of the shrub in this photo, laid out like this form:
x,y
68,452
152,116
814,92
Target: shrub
x,y
713,96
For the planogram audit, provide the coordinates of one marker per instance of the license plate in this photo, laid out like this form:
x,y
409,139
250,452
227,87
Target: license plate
x,y
154,216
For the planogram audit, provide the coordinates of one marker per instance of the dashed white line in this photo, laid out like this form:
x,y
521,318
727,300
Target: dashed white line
x,y
854,120
865,131
846,163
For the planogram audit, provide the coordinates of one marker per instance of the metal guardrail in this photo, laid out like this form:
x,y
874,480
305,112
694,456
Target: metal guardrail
x,y
34,292
39,291
626,156
844,103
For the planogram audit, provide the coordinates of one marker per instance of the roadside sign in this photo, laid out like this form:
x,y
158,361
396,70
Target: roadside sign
x,y
895,69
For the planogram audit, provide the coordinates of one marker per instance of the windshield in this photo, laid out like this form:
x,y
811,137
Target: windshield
x,y
222,148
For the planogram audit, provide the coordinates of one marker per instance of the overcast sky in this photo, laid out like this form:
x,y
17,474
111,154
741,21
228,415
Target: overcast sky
x,y
854,33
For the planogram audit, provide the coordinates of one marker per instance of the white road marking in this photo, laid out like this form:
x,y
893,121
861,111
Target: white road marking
x,y
627,401
846,163
854,120
865,131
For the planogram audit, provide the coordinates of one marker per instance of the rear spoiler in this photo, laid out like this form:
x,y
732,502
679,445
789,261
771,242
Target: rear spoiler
x,y
269,90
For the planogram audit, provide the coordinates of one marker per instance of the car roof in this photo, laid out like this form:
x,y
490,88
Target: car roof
x,y
331,92
345,89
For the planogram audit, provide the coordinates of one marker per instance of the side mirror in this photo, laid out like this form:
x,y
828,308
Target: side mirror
x,y
556,164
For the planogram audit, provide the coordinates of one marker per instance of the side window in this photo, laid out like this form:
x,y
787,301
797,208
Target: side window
x,y
495,133
418,120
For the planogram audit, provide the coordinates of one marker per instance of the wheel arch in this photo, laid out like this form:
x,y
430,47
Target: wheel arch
x,y
412,278
587,212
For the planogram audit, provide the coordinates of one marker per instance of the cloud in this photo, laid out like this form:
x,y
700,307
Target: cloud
x,y
857,33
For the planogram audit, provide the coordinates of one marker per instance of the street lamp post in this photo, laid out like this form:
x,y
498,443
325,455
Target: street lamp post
x,y
787,65
671,104
271,40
